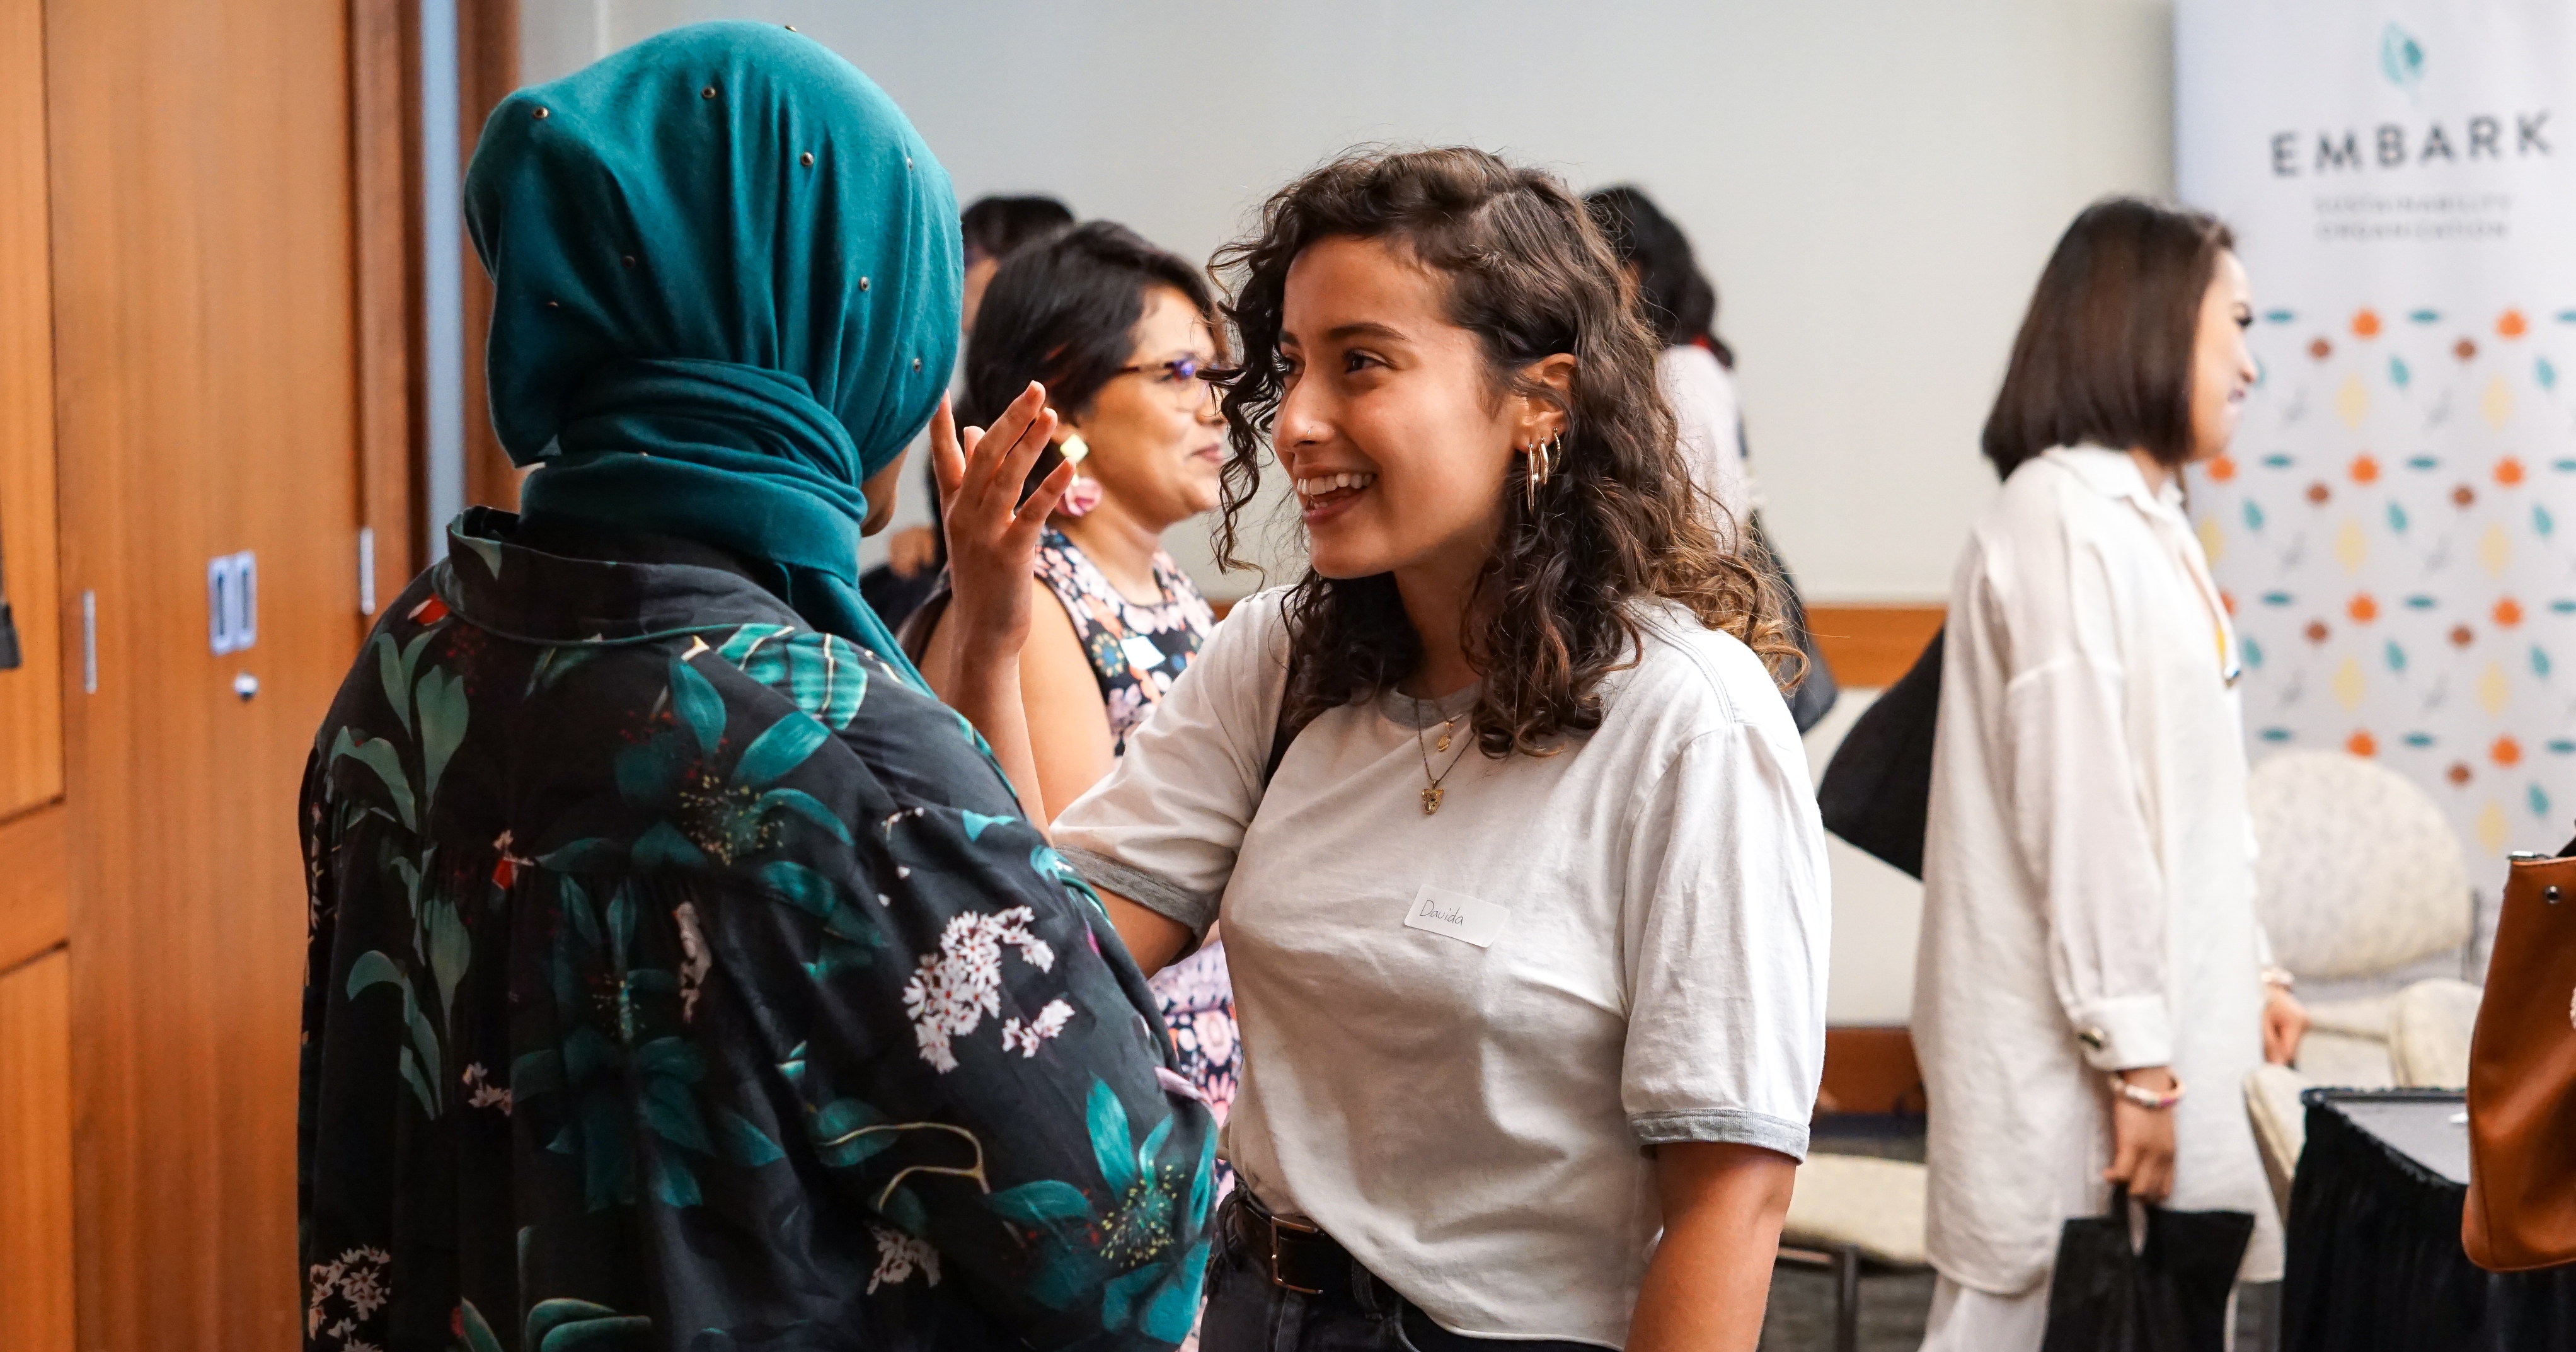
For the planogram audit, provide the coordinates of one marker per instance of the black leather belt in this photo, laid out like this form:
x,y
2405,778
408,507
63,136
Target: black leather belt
x,y
1297,1254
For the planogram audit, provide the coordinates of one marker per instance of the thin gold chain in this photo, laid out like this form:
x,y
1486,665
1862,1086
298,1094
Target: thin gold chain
x,y
1431,795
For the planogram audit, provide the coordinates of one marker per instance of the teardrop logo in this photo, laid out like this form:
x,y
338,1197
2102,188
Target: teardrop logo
x,y
2401,58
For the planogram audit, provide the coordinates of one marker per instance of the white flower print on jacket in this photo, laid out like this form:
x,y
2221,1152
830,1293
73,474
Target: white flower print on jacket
x,y
898,1256
952,991
1025,1037
357,1279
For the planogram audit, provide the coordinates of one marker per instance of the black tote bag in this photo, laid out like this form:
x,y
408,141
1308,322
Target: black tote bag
x,y
1877,789
2168,1295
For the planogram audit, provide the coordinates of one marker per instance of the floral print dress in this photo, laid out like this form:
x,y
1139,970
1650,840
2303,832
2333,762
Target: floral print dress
x,y
679,978
1136,652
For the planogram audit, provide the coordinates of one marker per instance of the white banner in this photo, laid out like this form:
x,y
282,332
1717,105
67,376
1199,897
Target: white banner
x,y
2392,524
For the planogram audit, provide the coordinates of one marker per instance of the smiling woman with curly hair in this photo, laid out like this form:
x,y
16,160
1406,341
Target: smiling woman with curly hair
x,y
1504,816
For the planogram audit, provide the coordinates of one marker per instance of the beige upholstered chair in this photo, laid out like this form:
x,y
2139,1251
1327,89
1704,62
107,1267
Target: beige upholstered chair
x,y
2280,1126
2428,1034
2359,874
1873,1204
1851,1213
2429,1024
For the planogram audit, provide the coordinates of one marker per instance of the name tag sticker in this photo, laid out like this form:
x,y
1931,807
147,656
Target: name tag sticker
x,y
1141,652
1440,911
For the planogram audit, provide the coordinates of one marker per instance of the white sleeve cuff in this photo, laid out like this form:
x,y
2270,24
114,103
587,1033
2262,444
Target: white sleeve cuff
x,y
2125,1033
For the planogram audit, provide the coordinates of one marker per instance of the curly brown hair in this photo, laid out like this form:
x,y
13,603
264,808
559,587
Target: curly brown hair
x,y
1529,273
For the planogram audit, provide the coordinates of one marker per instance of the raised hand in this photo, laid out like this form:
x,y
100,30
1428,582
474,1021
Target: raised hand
x,y
992,534
992,562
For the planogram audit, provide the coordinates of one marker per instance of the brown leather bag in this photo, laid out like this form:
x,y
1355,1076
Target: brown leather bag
x,y
2521,1212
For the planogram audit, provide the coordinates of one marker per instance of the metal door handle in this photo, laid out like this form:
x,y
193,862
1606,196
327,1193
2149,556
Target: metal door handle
x,y
10,657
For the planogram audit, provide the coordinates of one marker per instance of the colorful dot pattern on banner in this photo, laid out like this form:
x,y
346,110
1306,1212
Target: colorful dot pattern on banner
x,y
2385,529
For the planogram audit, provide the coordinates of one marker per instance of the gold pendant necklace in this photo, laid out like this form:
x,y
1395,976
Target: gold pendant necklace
x,y
1431,796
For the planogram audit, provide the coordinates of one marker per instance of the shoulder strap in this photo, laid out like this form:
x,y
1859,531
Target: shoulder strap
x,y
1282,733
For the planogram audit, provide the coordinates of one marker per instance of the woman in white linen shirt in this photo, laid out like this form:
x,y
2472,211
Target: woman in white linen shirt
x,y
1528,923
2089,947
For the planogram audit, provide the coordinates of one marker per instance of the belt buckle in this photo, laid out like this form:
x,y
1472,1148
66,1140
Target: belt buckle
x,y
1277,1224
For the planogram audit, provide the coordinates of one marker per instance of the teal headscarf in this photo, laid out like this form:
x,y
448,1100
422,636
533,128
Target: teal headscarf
x,y
726,280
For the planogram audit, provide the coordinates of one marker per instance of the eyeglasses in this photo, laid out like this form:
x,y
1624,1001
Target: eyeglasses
x,y
1188,382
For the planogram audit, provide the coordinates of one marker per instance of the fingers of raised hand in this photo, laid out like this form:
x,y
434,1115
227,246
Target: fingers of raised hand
x,y
989,462
1033,440
952,487
946,459
1041,504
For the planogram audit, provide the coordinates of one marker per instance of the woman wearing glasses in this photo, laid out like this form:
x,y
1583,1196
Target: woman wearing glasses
x,y
1118,331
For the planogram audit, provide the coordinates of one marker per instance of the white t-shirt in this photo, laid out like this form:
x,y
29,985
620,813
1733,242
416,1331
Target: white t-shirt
x,y
1626,946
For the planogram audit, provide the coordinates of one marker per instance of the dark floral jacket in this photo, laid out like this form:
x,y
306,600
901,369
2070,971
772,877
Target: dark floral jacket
x,y
680,978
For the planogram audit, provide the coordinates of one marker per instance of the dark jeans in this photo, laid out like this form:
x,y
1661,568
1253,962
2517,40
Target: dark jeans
x,y
1245,1313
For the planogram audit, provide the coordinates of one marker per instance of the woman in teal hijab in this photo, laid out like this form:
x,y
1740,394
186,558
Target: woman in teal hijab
x,y
718,317
681,975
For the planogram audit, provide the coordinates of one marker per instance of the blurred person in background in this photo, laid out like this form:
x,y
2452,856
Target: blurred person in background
x,y
2092,988
1696,374
1696,369
992,228
680,976
1122,335
1512,840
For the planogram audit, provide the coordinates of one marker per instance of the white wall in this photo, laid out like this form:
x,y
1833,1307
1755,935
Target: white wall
x,y
1873,184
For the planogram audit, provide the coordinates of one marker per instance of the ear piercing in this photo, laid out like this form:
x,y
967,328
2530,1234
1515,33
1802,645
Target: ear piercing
x,y
1542,465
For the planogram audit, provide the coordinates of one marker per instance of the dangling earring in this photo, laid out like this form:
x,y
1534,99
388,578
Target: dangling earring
x,y
1542,464
1082,494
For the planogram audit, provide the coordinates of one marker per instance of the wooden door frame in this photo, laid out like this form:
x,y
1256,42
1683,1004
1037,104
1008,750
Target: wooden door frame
x,y
392,433
487,65
384,147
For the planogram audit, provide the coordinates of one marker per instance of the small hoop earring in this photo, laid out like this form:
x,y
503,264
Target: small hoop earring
x,y
1542,466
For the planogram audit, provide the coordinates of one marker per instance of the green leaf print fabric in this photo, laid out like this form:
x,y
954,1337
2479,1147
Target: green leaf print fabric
x,y
678,981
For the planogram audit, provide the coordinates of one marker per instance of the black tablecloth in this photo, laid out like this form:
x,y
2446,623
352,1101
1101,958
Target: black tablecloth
x,y
2375,1263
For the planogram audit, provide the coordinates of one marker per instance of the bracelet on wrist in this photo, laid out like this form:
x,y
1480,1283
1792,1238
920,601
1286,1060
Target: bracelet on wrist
x,y
2145,1097
2279,978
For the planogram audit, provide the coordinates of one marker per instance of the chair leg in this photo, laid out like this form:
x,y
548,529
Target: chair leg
x,y
1847,1299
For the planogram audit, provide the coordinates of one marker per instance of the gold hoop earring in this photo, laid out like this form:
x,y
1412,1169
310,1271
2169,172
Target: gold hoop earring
x,y
1542,465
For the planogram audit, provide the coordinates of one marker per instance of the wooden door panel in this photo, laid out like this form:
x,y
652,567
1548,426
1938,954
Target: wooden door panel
x,y
36,1156
205,362
31,697
35,880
